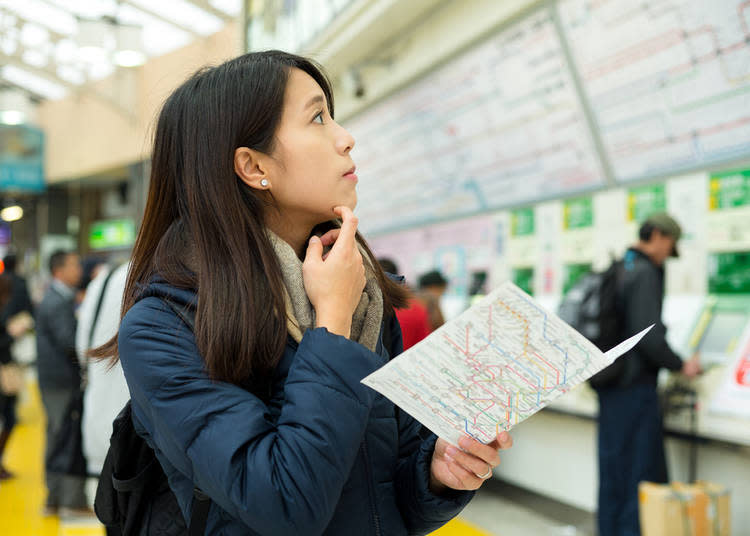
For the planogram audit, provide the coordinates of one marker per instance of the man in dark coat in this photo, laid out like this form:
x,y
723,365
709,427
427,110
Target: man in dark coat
x,y
60,385
631,438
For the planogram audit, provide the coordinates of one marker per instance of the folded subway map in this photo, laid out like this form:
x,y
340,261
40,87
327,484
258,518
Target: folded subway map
x,y
495,365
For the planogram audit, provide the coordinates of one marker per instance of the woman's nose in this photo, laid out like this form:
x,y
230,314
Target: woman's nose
x,y
344,141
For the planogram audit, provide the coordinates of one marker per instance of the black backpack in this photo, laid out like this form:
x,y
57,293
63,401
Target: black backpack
x,y
593,307
133,497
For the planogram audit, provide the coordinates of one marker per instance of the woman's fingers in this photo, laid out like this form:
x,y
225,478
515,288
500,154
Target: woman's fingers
x,y
503,441
348,229
465,479
314,249
470,463
485,453
330,237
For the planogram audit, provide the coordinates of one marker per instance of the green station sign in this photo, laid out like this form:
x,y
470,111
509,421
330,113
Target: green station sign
x,y
645,200
578,213
522,222
729,189
112,234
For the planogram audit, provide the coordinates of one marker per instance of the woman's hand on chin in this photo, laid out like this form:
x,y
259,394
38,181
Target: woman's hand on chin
x,y
334,283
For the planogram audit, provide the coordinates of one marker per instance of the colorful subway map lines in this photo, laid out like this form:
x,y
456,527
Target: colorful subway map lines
x,y
489,369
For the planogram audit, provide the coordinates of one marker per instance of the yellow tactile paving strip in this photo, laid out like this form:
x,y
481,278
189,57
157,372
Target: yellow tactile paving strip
x,y
22,498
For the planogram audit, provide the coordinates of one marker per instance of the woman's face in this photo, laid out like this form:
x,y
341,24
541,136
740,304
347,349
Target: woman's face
x,y
312,170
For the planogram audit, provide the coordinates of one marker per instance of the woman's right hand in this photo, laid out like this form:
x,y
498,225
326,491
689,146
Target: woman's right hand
x,y
334,284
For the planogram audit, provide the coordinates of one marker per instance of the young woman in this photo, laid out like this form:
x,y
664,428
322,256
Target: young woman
x,y
249,219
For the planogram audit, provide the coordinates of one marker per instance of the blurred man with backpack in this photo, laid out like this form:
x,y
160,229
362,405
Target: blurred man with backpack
x,y
631,439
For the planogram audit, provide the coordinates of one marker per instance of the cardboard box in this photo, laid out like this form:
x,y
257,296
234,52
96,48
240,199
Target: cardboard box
x,y
700,509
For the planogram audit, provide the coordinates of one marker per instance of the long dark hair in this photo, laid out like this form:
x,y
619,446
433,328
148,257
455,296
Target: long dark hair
x,y
204,229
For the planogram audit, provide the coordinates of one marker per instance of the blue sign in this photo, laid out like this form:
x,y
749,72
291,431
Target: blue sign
x,y
21,158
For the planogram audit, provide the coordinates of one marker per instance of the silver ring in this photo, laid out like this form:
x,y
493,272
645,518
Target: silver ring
x,y
486,475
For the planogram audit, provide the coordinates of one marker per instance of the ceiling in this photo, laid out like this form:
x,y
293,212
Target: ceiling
x,y
41,41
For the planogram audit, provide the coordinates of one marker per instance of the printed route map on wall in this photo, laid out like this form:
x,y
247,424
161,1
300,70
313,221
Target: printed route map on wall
x,y
500,124
495,365
668,80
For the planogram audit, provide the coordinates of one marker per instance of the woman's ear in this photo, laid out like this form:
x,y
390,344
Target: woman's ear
x,y
249,166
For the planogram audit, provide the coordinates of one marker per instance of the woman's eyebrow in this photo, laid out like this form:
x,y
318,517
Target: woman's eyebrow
x,y
315,100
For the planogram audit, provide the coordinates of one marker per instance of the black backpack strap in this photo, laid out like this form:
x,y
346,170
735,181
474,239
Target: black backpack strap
x,y
199,513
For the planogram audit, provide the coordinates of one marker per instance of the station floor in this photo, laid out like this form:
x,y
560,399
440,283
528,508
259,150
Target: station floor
x,y
491,513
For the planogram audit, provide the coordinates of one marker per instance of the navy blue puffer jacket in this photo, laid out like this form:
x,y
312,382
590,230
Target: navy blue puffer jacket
x,y
326,454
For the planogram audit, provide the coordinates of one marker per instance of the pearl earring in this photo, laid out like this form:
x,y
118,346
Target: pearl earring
x,y
264,182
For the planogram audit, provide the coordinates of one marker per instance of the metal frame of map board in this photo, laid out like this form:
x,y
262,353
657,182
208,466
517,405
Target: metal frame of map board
x,y
600,153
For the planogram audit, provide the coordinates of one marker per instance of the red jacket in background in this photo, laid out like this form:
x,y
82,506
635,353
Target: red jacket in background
x,y
415,324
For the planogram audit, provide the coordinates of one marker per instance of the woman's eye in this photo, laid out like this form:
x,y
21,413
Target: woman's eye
x,y
318,118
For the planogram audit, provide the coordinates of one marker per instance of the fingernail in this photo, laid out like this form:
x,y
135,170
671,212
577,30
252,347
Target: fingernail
x,y
314,239
451,451
464,442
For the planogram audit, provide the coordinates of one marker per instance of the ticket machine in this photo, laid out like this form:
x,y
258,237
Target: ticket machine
x,y
719,327
719,332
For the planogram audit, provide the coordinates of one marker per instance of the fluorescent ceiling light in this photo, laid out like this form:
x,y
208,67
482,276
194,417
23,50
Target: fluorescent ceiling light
x,y
129,58
230,7
45,34
15,107
32,82
13,213
159,37
44,13
185,14
100,69
34,58
33,35
65,51
129,51
71,74
92,9
9,42
9,20
12,117
91,39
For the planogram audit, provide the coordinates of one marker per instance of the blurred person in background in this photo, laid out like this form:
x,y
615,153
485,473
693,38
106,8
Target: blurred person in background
x,y
260,405
630,436
432,286
106,391
8,391
59,376
90,267
15,321
20,302
413,319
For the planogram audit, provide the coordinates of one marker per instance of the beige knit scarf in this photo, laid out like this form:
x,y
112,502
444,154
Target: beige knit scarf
x,y
300,313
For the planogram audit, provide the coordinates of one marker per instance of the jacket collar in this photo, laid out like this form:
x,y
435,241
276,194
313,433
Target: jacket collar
x,y
634,253
64,290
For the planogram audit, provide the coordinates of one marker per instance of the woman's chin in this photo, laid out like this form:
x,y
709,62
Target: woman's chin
x,y
351,204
